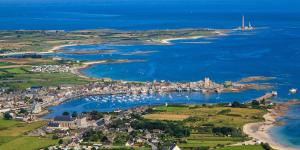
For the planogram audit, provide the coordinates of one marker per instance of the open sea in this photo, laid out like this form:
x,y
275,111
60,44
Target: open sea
x,y
273,49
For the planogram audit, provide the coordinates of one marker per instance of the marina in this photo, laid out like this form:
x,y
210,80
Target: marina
x,y
124,58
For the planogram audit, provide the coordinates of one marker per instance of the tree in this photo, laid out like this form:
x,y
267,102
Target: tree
x,y
54,137
95,115
255,103
7,116
23,111
266,146
105,139
65,113
74,114
60,141
236,104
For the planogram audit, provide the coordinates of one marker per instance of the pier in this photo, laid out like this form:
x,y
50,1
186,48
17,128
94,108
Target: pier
x,y
267,96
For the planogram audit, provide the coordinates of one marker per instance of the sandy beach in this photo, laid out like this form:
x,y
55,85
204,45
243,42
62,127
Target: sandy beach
x,y
260,131
169,40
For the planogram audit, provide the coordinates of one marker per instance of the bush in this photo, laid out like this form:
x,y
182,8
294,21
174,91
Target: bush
x,y
23,111
266,146
171,128
74,114
225,111
236,104
60,141
7,116
54,137
193,119
95,115
226,131
65,113
204,130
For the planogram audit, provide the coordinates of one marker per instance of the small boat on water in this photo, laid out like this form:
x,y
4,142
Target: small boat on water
x,y
293,91
274,93
118,110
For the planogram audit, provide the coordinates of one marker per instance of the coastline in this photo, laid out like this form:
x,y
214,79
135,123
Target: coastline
x,y
169,40
77,70
260,131
52,50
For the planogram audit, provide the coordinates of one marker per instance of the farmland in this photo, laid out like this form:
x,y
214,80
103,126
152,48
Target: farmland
x,y
207,123
13,136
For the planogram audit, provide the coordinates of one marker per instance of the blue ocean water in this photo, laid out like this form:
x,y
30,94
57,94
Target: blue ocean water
x,y
108,103
273,49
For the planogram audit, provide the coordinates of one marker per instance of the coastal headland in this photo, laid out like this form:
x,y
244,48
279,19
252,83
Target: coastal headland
x,y
260,131
20,41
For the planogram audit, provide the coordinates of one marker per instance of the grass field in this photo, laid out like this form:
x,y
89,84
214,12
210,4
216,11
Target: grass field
x,y
22,78
196,117
169,117
244,147
235,117
16,128
12,136
27,143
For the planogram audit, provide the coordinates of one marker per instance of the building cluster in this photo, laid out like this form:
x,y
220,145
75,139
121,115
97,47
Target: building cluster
x,y
37,98
111,126
27,104
51,68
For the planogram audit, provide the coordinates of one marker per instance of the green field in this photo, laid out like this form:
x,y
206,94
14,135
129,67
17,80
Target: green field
x,y
22,78
236,117
27,143
244,147
203,119
12,136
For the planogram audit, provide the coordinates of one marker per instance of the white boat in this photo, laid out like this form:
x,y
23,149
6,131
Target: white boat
x,y
293,91
275,93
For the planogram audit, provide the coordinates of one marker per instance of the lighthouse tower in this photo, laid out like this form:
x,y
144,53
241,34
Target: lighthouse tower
x,y
243,22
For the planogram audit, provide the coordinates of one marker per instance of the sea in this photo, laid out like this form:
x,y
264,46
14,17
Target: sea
x,y
272,49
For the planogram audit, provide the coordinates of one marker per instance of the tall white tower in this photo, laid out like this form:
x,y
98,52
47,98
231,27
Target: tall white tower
x,y
243,22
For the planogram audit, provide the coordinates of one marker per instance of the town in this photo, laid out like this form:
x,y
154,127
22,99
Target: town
x,y
123,127
38,98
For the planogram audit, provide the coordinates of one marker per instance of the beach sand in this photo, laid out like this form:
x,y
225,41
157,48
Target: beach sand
x,y
169,40
260,132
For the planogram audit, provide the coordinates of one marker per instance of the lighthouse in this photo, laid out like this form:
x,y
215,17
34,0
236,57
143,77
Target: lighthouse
x,y
243,27
243,22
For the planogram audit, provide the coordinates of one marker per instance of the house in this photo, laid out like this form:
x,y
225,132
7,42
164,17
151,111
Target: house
x,y
35,88
37,108
68,122
63,122
174,147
